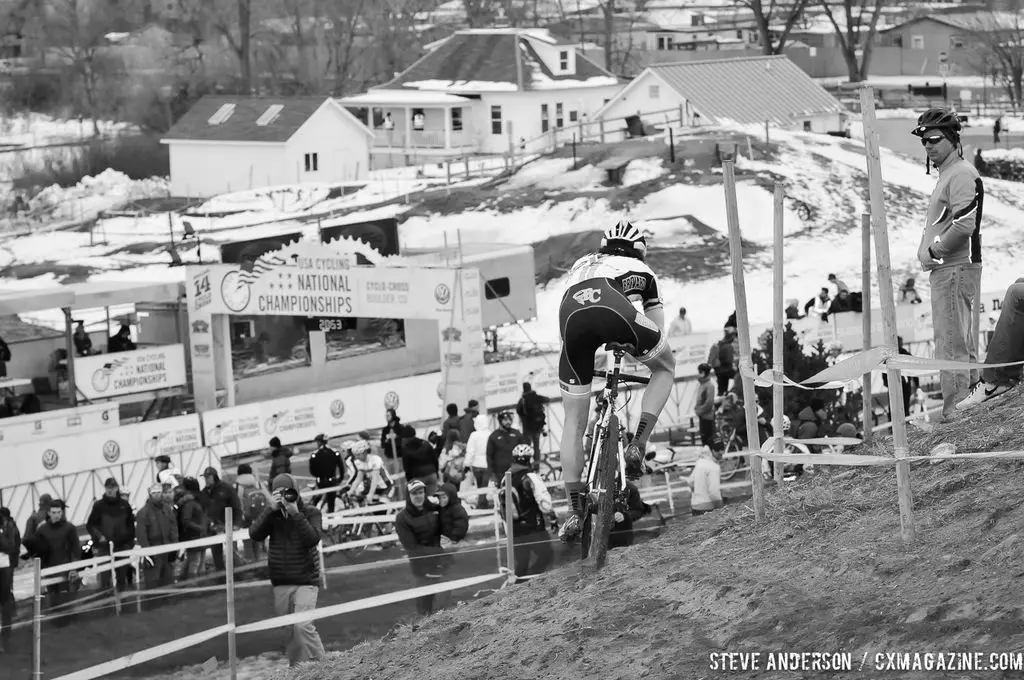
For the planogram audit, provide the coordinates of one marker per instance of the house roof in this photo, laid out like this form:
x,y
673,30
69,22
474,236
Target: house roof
x,y
746,90
377,97
967,21
14,330
242,125
483,60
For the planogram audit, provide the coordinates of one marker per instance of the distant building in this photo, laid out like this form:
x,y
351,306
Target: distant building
x,y
482,91
233,143
749,90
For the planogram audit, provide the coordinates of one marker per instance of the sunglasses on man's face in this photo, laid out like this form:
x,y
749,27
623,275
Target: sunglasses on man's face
x,y
925,141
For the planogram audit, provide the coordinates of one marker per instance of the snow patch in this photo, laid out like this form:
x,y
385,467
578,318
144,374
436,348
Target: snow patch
x,y
94,194
642,170
1004,155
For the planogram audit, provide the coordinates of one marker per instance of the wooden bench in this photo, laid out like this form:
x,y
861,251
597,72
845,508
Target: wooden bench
x,y
615,167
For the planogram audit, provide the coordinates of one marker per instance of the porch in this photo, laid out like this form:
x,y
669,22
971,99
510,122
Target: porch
x,y
415,121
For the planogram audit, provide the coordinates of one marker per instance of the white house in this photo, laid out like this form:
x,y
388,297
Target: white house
x,y
482,91
746,90
232,143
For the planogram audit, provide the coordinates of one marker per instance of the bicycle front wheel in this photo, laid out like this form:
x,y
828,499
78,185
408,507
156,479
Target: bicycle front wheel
x,y
601,514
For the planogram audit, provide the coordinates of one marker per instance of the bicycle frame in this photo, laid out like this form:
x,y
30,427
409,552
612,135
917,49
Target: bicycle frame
x,y
610,392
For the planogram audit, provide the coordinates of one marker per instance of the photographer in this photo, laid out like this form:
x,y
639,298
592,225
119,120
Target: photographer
x,y
294,530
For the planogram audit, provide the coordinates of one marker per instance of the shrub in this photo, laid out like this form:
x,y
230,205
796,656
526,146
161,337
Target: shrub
x,y
33,91
138,156
1001,164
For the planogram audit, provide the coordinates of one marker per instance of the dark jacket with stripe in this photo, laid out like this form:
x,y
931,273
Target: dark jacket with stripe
x,y
292,557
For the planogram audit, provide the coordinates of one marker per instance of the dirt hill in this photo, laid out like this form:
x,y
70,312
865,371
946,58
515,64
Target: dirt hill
x,y
826,573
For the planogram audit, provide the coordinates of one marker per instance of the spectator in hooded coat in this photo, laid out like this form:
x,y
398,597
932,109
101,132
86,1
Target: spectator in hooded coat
x,y
10,546
280,459
420,461
450,425
217,497
419,528
192,524
111,525
626,514
476,457
393,433
453,515
36,518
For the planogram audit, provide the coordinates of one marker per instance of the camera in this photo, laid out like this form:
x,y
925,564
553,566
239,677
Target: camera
x,y
289,495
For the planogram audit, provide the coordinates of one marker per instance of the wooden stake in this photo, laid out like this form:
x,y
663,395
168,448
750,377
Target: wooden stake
x,y
510,543
37,619
740,292
229,581
865,220
778,366
885,294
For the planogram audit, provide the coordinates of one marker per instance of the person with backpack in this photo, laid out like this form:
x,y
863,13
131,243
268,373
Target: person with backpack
x,y
532,417
254,499
532,514
280,459
722,358
326,468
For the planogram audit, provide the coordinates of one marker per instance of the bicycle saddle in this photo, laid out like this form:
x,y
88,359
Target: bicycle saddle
x,y
621,347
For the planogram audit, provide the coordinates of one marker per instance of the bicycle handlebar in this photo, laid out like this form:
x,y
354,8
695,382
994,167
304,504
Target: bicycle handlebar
x,y
625,377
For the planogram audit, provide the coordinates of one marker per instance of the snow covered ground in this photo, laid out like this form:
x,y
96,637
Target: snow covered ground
x,y
36,129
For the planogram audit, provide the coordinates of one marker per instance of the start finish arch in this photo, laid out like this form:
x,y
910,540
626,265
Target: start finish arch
x,y
309,278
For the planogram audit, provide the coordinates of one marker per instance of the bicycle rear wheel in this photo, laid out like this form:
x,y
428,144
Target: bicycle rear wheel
x,y
598,526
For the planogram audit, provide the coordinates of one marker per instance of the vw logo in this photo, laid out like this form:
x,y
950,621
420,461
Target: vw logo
x,y
440,390
337,408
443,294
50,459
111,451
391,400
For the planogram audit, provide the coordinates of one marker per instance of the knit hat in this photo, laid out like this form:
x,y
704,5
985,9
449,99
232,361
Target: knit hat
x,y
283,481
414,485
245,469
111,482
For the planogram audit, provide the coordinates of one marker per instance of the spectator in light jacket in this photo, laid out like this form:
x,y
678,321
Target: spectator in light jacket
x,y
476,457
294,529
111,525
706,482
704,409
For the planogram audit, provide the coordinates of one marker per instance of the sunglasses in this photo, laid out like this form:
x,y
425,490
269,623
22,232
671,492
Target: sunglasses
x,y
925,141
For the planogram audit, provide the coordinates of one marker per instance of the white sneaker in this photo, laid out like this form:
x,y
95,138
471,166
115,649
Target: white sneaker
x,y
980,393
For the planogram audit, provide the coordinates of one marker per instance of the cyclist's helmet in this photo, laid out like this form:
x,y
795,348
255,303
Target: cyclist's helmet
x,y
627,234
522,454
360,446
505,417
942,119
786,424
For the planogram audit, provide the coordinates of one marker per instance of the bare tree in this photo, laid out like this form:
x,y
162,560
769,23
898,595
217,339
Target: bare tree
x,y
480,13
346,20
767,18
857,35
998,39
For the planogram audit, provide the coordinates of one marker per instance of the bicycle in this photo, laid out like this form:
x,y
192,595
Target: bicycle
x,y
606,465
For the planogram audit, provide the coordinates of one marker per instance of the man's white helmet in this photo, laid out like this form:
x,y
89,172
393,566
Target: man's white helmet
x,y
624,230
360,446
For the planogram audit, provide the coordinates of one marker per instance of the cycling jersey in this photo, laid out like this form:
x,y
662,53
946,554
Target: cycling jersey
x,y
599,307
369,474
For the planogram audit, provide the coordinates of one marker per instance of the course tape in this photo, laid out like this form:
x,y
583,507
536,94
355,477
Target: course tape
x,y
861,460
853,368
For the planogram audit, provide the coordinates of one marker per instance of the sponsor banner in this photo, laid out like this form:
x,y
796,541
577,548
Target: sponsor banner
x,y
39,459
342,411
110,375
199,294
62,422
417,397
237,425
461,340
168,436
292,419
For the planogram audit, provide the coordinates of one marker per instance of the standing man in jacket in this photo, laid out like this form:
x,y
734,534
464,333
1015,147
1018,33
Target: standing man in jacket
x,y
111,525
37,518
532,417
326,468
950,250
294,530
156,525
56,542
10,546
466,422
419,531
704,409
280,459
500,445
192,524
218,496
722,358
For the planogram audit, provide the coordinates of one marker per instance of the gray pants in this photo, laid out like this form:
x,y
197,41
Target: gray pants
x,y
1007,342
954,295
304,642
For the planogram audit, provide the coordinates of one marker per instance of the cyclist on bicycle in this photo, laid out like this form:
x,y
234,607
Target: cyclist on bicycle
x,y
599,307
369,478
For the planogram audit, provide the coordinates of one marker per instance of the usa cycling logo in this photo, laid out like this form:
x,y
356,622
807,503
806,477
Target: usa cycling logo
x,y
337,409
451,334
391,400
111,451
587,296
200,327
50,459
443,294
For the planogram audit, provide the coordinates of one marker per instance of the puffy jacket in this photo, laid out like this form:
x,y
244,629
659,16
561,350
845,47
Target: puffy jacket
x,y
219,496
476,447
112,520
156,524
454,518
10,540
706,482
952,228
192,522
419,458
56,543
499,450
292,558
419,532
705,406
280,462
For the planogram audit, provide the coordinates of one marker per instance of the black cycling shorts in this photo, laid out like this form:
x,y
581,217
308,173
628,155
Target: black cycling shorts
x,y
591,314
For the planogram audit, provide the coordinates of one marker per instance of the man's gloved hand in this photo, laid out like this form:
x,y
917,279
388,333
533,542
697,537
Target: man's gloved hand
x,y
446,542
619,517
181,554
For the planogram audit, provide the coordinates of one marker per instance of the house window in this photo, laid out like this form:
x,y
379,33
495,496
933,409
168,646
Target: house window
x,y
574,116
312,162
495,120
419,119
739,34
917,42
653,92
456,119
544,122
664,42
563,60
558,115
497,288
807,126
956,42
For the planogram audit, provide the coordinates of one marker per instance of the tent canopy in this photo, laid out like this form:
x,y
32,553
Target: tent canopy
x,y
89,295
